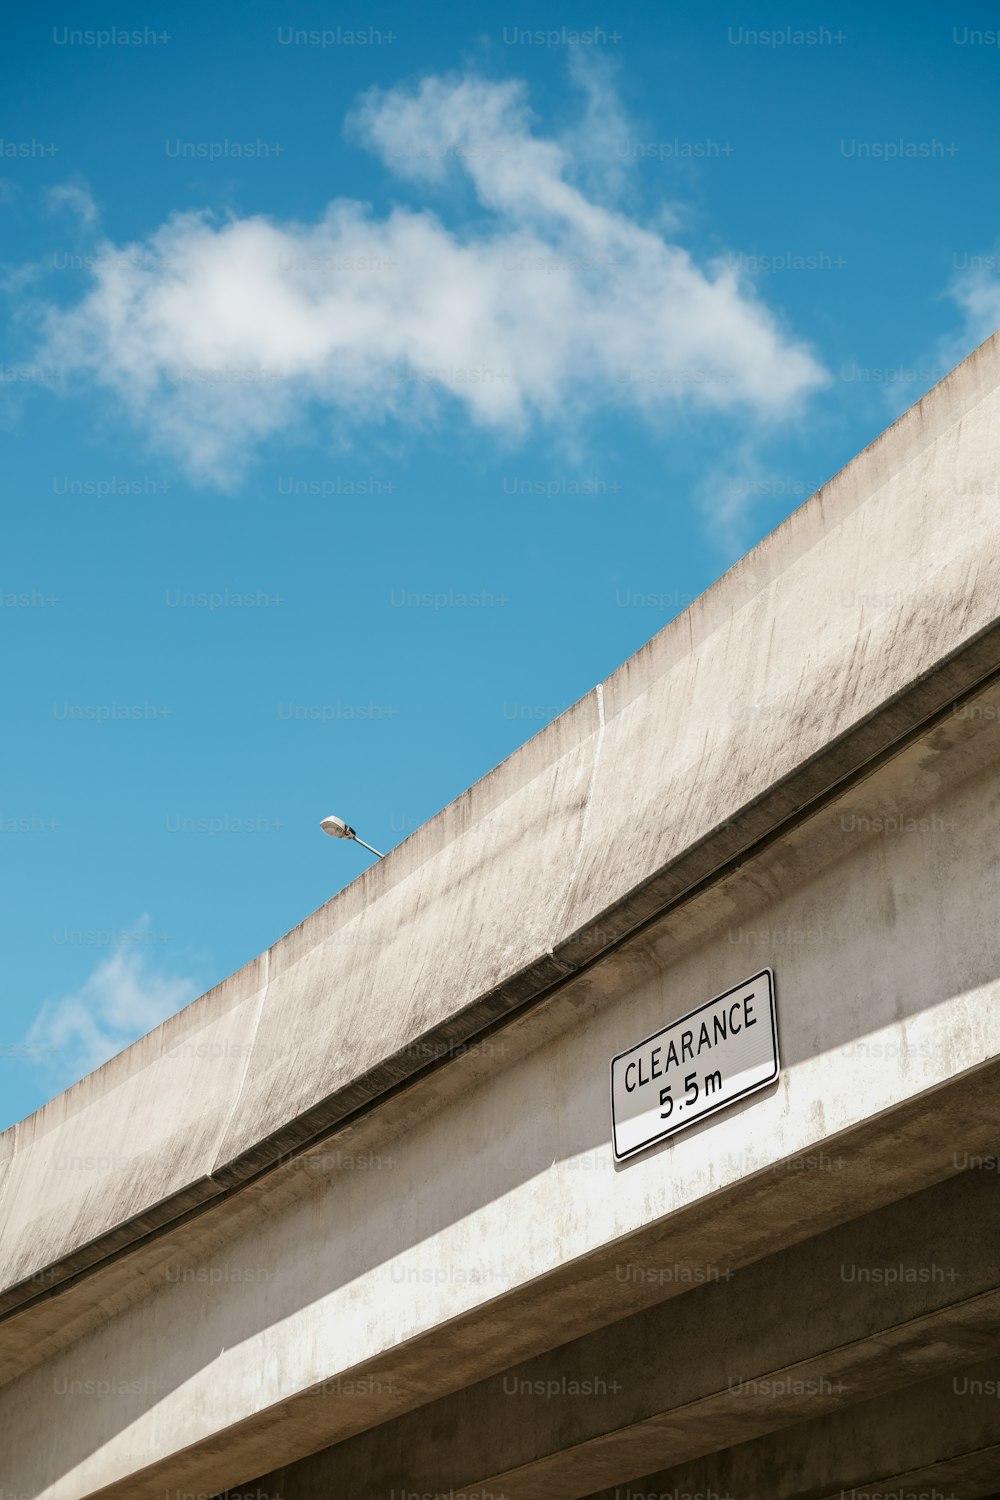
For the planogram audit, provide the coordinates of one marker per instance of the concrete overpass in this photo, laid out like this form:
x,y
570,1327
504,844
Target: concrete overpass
x,y
352,1225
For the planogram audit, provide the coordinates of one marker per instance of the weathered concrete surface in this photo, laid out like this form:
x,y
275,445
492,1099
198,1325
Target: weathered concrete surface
x,y
87,1171
870,608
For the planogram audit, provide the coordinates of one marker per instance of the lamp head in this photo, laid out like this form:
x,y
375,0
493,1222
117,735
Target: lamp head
x,y
337,828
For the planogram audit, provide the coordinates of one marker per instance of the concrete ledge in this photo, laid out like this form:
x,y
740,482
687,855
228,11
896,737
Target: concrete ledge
x,y
868,611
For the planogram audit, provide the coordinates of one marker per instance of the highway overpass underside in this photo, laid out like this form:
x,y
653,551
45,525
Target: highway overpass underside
x,y
863,1362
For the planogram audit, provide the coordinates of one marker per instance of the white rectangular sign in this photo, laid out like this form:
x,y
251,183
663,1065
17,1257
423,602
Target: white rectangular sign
x,y
709,1058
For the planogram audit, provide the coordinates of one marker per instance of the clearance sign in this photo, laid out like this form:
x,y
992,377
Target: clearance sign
x,y
725,1049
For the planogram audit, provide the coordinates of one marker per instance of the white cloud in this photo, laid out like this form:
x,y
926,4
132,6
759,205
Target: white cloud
x,y
122,999
76,197
729,492
977,292
215,335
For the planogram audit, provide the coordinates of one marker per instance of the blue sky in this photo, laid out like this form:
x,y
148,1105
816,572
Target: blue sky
x,y
375,382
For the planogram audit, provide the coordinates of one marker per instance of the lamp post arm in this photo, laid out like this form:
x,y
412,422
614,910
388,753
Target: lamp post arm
x,y
368,847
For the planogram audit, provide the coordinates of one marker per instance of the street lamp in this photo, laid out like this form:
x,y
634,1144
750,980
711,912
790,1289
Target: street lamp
x,y
338,829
